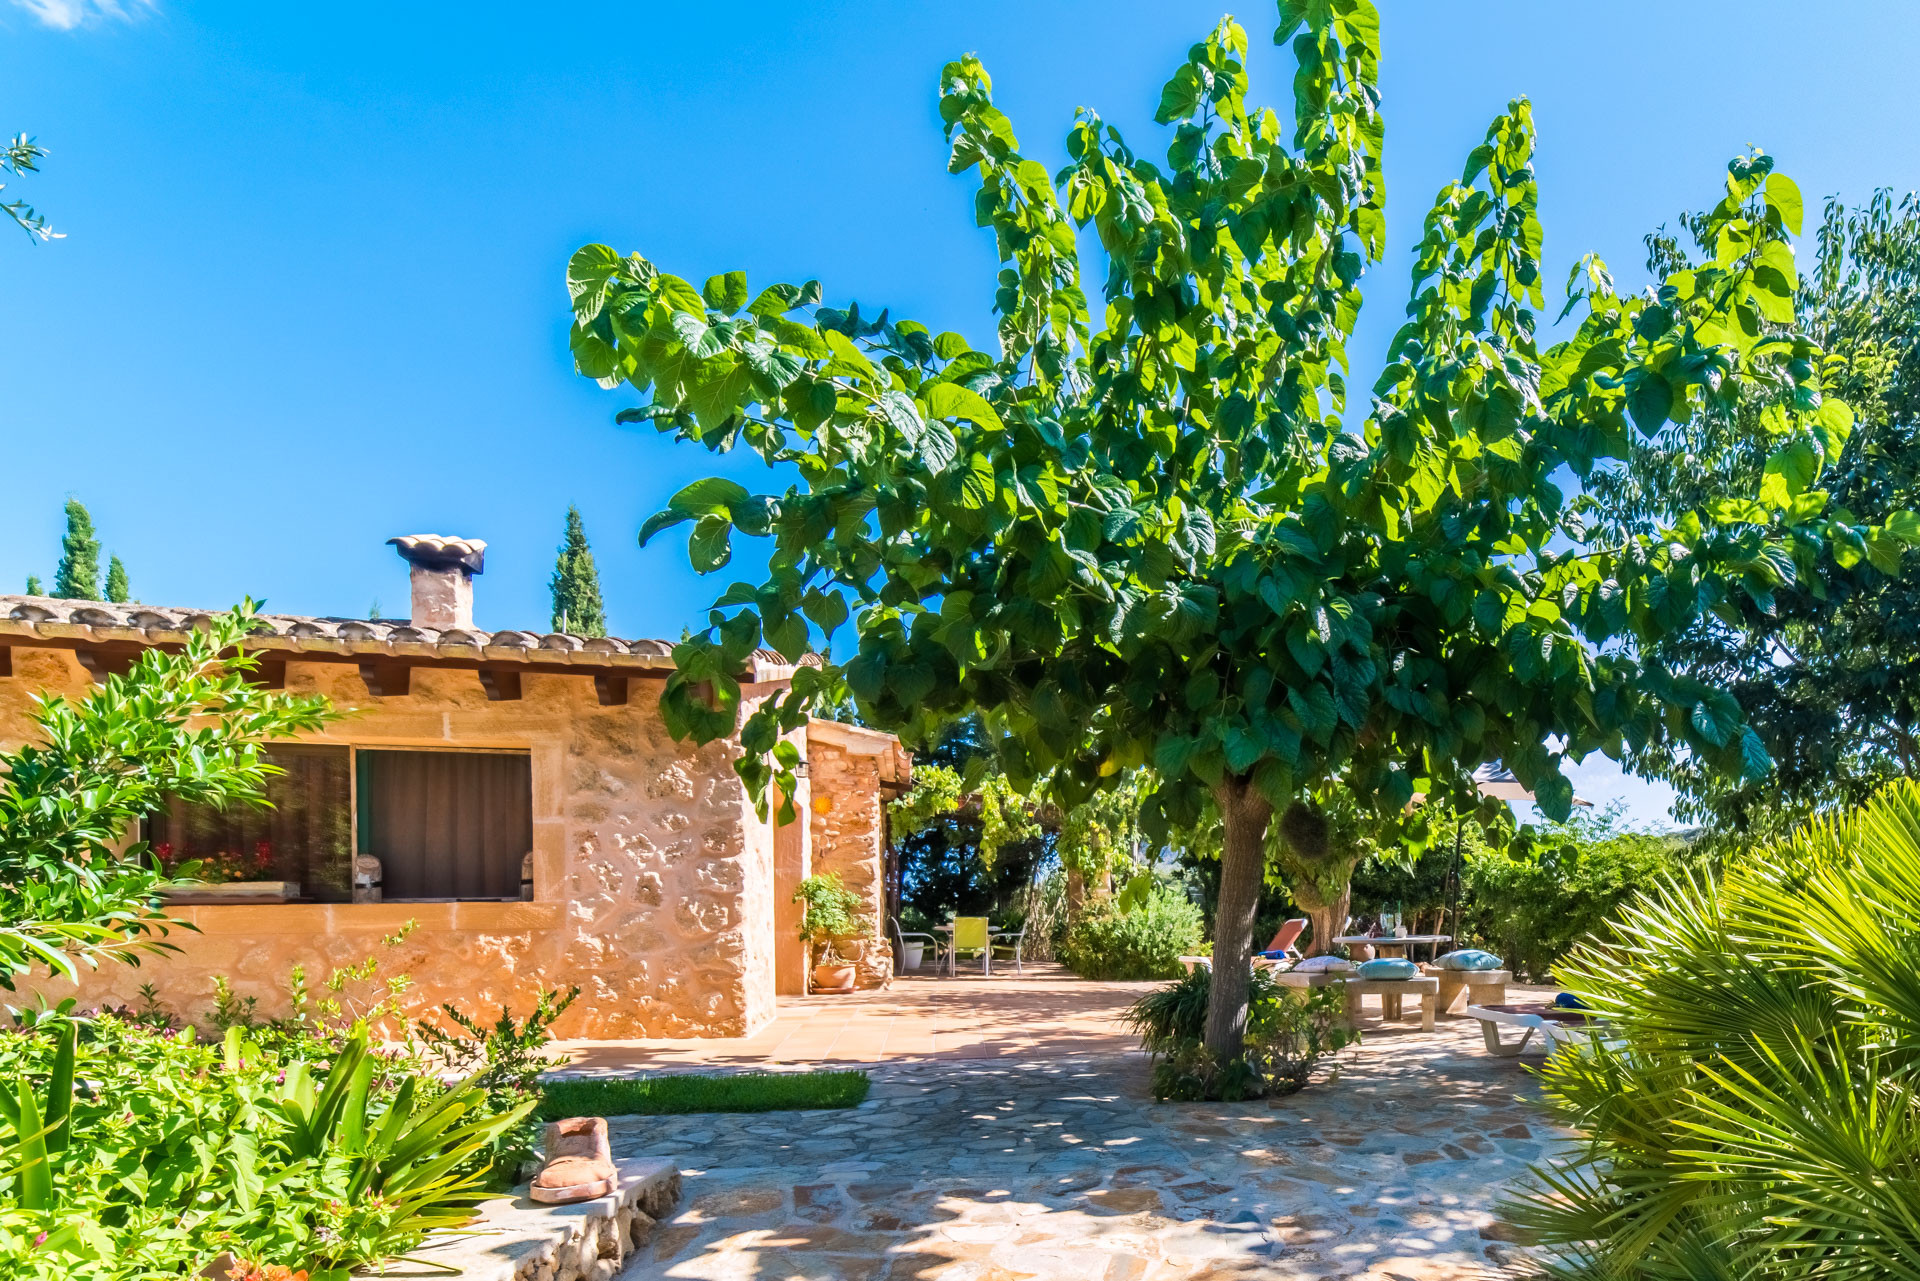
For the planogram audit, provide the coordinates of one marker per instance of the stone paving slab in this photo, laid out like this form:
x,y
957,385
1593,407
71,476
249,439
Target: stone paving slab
x,y
1013,1168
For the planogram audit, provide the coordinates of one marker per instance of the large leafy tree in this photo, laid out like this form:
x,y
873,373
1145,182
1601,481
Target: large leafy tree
x,y
1140,534
1826,670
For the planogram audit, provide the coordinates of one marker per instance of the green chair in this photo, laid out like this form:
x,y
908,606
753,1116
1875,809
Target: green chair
x,y
970,934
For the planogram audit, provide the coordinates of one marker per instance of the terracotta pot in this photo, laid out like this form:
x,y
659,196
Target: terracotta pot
x,y
834,976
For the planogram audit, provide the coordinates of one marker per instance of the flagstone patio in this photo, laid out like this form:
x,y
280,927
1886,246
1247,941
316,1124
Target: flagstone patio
x,y
1024,1145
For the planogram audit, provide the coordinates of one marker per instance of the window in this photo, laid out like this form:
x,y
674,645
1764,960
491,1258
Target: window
x,y
446,824
306,837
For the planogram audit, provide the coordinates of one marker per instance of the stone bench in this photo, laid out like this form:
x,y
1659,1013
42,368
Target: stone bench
x,y
1390,992
1485,987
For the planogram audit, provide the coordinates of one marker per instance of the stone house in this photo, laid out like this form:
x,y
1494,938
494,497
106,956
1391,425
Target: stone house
x,y
522,802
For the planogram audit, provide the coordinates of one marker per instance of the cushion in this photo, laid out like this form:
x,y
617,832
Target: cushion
x,y
1389,967
1468,958
1318,964
1280,954
1568,1001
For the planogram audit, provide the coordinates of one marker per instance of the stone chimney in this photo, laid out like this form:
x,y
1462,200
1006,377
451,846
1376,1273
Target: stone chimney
x,y
443,570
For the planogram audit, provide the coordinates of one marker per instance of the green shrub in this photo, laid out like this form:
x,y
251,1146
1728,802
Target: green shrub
x,y
1756,1111
1146,942
171,1151
1289,1032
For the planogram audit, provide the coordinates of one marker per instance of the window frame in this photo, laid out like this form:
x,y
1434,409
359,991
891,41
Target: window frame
x,y
359,813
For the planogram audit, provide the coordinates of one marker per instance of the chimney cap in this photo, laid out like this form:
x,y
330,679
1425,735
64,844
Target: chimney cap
x,y
437,551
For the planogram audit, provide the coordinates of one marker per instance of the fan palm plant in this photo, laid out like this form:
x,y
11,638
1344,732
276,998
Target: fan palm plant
x,y
1758,1116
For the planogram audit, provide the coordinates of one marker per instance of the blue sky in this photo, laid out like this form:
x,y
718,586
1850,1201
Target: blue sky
x,y
311,292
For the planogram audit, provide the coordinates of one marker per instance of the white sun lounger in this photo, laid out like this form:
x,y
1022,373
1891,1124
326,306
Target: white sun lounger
x,y
1557,1028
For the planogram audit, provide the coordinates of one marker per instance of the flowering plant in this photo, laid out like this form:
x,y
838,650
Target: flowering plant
x,y
219,868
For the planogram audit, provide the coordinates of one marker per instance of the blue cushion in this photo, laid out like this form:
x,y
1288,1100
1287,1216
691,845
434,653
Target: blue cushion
x,y
1389,967
1468,958
1273,956
1568,1001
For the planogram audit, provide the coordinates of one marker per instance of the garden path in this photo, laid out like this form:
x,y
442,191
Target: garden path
x,y
1053,1162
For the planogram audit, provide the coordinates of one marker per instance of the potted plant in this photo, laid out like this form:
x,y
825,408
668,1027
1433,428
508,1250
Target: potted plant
x,y
834,915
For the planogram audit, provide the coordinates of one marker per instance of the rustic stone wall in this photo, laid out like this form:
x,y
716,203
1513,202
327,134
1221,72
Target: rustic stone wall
x,y
848,769
653,877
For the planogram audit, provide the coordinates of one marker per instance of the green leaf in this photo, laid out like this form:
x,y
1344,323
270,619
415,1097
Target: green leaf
x,y
1795,467
1650,401
948,400
1292,14
828,610
678,295
661,520
709,496
726,294
1755,763
710,546
1884,550
1715,717
589,272
1783,197
774,300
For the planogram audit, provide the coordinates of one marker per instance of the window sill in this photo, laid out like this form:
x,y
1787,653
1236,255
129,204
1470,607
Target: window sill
x,y
477,917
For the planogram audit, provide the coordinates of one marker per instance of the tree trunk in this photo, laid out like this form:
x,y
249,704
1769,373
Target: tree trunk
x,y
1329,917
1243,864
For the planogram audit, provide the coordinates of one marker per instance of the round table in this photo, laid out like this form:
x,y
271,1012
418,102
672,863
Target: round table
x,y
1388,945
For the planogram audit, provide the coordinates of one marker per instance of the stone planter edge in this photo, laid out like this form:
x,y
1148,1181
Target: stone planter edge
x,y
520,1240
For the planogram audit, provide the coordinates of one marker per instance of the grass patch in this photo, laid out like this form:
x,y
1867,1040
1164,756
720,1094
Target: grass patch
x,y
667,1095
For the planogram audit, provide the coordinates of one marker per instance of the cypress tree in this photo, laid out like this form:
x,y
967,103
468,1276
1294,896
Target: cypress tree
x,y
117,591
33,585
78,575
576,584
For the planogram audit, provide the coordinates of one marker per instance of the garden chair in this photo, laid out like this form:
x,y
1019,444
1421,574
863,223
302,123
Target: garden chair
x,y
970,934
914,955
1008,941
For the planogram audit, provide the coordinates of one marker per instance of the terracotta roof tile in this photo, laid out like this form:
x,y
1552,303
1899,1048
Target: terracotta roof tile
x,y
69,619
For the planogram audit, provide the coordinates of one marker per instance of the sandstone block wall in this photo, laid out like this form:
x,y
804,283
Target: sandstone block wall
x,y
851,772
653,877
